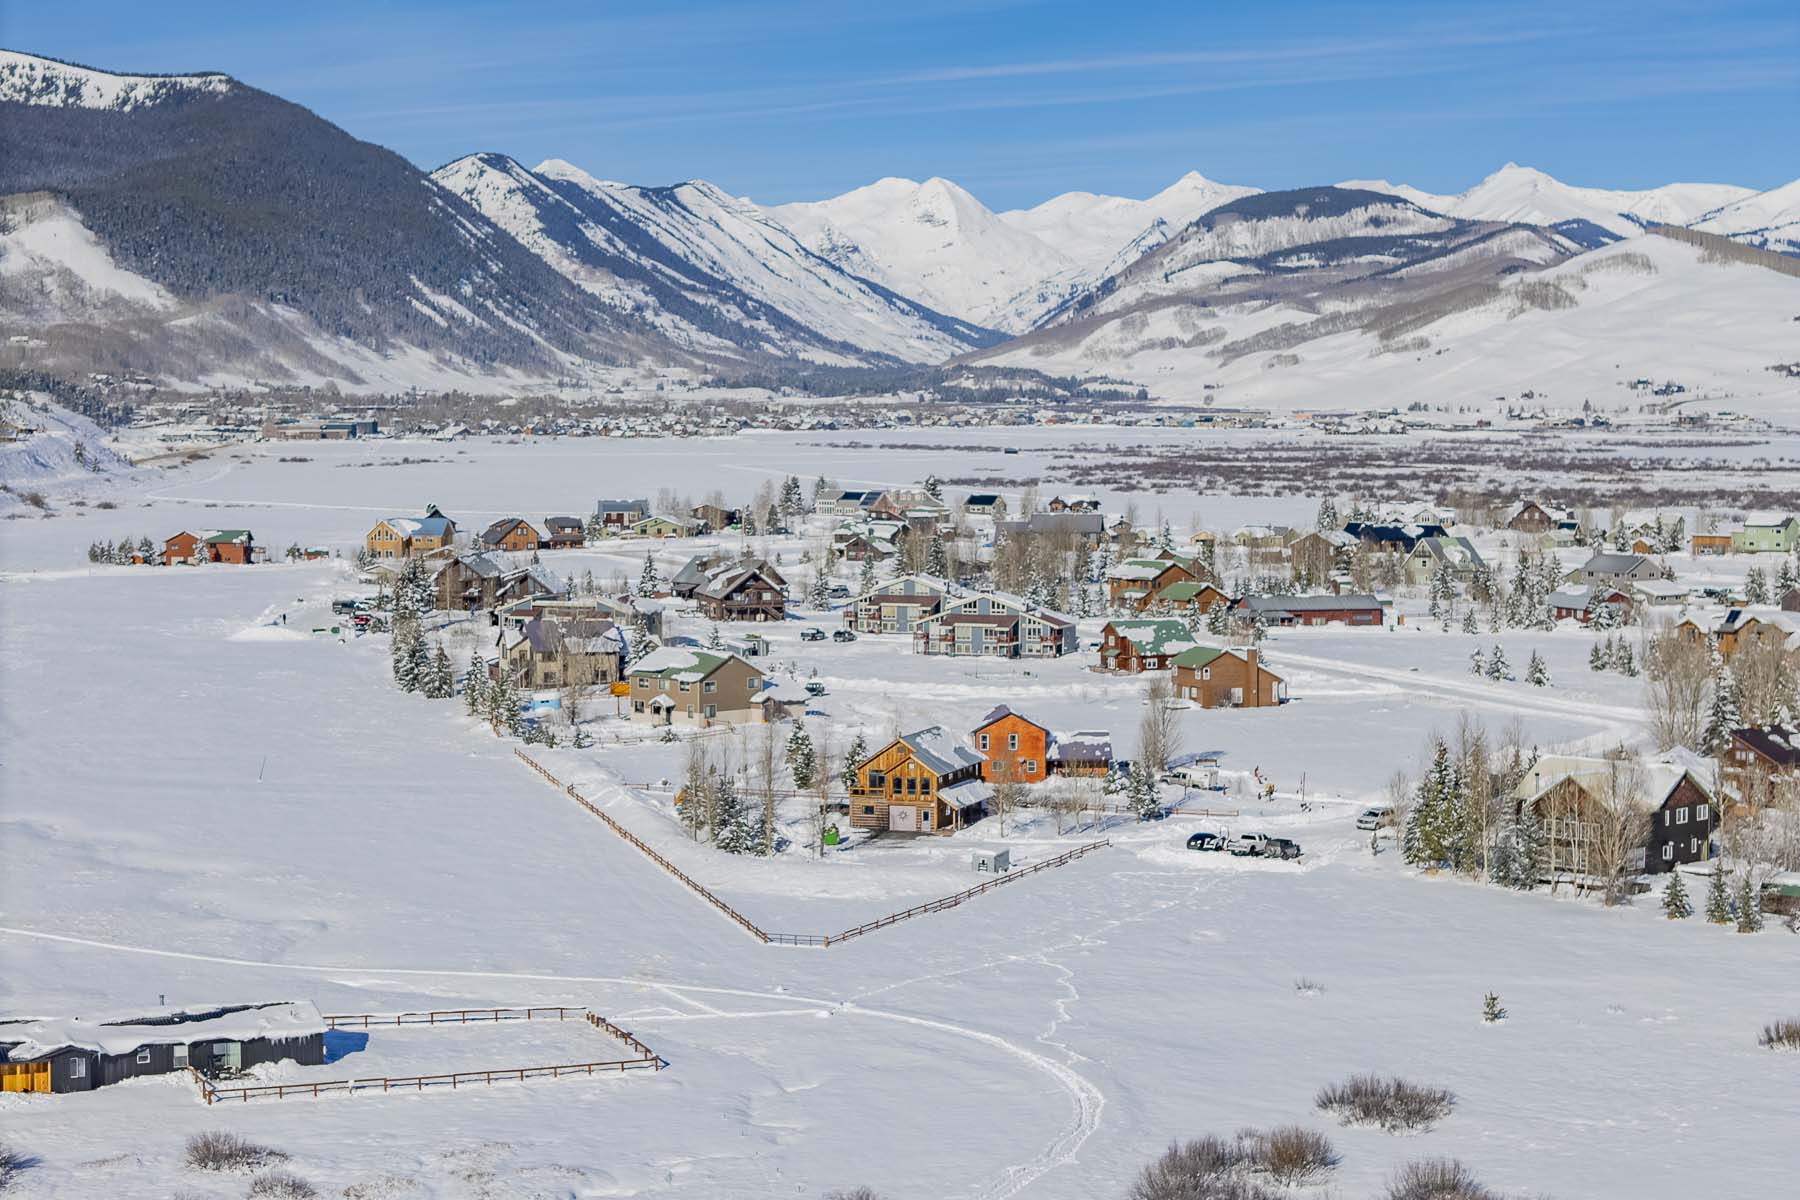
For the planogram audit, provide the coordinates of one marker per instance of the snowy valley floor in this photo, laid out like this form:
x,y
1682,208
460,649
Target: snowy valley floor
x,y
201,806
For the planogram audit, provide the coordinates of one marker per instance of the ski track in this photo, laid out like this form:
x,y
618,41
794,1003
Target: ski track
x,y
1086,1098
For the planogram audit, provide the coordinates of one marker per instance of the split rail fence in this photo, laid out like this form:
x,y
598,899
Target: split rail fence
x,y
644,1059
941,904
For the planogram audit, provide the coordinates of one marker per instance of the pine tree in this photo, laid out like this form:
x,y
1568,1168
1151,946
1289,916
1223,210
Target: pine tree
x,y
1527,849
474,684
1141,793
1491,1012
802,761
747,523
1468,622
1756,586
1749,906
853,758
772,522
937,562
1536,673
404,651
732,830
714,639
421,660
1785,580
1498,668
1598,658
650,581
1426,840
1718,903
1477,665
1328,515
1675,903
1218,621
440,677
1623,660
933,488
865,582
1722,710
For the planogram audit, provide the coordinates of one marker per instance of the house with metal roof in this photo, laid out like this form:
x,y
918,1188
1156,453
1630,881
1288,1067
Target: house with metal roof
x,y
69,1054
1347,609
921,782
1227,677
994,625
1141,644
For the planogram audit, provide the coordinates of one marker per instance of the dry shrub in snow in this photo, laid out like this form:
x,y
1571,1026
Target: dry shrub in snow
x,y
282,1185
1436,1179
1291,1155
1393,1104
1781,1035
855,1193
222,1151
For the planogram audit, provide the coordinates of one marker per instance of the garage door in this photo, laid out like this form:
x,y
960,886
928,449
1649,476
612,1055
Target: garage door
x,y
903,817
25,1077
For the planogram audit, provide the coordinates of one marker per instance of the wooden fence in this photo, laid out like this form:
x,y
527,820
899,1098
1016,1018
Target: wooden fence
x,y
453,1016
214,1094
644,1059
941,904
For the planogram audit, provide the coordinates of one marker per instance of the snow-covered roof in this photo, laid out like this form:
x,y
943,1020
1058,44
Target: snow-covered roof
x,y
1649,780
681,663
939,750
1139,568
419,526
36,1038
967,794
1082,745
1155,635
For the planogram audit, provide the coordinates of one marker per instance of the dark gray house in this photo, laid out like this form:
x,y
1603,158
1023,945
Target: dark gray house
x,y
56,1054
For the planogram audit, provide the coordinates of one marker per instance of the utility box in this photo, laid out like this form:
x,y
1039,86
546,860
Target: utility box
x,y
992,862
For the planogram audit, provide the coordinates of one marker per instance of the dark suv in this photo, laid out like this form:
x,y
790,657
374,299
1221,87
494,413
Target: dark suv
x,y
1281,848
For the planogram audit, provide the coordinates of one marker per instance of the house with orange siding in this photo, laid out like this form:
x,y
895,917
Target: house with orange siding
x,y
510,533
1012,743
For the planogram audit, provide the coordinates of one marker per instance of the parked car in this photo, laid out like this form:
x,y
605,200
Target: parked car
x,y
1205,841
1197,775
1010,450
343,607
810,634
839,592
1281,848
815,688
1247,845
1379,817
843,635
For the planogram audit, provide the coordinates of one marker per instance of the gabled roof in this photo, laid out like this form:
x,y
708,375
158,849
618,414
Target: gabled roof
x,y
1083,745
682,664
564,524
494,534
412,527
1001,712
1650,781
982,498
1611,563
1183,590
1777,743
1154,635
1300,604
1142,568
225,537
1456,551
934,747
602,507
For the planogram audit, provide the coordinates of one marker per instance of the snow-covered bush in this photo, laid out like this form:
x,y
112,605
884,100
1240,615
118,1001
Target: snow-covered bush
x,y
1781,1035
218,1150
1393,1104
1436,1179
282,1185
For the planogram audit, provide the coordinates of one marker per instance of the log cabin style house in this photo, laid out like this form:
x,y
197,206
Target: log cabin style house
x,y
745,591
921,782
564,533
513,534
411,537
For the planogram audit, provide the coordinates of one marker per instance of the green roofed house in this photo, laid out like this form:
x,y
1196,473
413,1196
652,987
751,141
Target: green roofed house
x,y
1219,677
1764,533
1134,583
1144,644
679,685
1190,594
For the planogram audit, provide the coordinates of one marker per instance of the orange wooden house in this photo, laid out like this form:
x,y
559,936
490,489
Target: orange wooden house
x,y
921,782
1012,743
210,545
510,533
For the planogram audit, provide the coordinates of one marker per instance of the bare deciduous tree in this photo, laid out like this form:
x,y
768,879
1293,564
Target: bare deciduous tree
x,y
1676,674
1159,731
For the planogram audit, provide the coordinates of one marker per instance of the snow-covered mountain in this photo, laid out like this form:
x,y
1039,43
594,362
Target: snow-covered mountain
x,y
1768,219
1528,196
29,79
936,242
706,269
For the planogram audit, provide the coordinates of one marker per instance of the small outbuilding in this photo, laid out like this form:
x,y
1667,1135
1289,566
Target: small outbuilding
x,y
69,1054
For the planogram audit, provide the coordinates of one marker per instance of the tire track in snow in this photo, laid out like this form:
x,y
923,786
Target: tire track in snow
x,y
1085,1097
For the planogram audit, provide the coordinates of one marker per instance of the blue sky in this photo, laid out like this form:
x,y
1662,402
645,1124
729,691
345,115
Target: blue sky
x,y
1013,99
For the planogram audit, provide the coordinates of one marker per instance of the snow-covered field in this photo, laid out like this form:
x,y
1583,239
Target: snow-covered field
x,y
202,805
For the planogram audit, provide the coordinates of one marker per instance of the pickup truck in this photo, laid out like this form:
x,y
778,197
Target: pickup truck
x,y
1247,845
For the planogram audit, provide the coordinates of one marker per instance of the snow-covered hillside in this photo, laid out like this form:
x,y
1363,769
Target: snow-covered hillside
x,y
704,267
1645,307
54,269
48,448
1768,219
29,79
1527,195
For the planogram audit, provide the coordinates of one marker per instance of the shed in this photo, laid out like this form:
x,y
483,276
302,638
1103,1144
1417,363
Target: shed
x,y
991,862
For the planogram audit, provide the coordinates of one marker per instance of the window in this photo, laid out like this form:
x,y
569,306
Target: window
x,y
868,810
1012,741
896,785
1206,672
983,741
912,787
143,1056
1031,766
1681,816
181,1057
711,711
877,781
925,786
686,686
1668,851
78,1068
710,686
753,684
1693,845
1700,813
